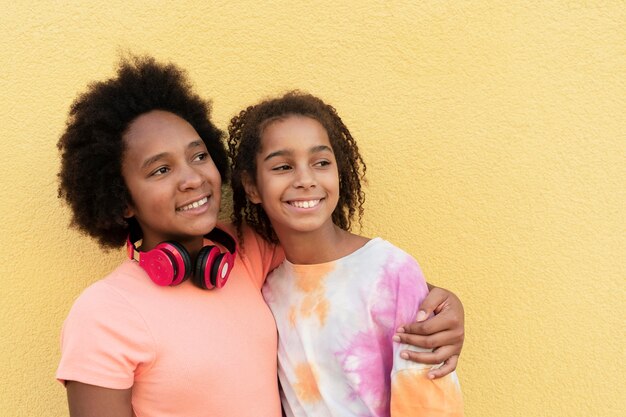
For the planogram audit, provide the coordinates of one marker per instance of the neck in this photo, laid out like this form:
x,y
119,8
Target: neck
x,y
192,246
319,246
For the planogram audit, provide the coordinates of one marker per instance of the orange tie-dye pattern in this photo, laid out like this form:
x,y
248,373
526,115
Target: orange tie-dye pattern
x,y
321,309
308,304
308,279
414,394
306,384
314,300
315,304
354,363
293,315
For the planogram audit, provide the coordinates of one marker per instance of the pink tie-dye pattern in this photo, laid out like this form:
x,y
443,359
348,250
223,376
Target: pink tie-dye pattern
x,y
369,295
396,301
361,361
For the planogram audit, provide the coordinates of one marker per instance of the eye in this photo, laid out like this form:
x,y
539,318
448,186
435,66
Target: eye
x,y
322,163
160,171
202,156
283,167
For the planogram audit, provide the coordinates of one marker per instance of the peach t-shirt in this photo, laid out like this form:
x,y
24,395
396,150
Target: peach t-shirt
x,y
183,350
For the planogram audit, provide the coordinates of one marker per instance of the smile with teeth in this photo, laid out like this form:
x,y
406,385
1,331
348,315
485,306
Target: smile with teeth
x,y
305,204
194,205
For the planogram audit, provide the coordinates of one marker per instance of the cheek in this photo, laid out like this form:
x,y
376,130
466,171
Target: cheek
x,y
152,198
214,177
147,206
262,184
215,173
270,198
332,179
264,191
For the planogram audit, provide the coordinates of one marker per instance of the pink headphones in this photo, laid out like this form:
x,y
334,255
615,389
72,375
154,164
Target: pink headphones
x,y
169,263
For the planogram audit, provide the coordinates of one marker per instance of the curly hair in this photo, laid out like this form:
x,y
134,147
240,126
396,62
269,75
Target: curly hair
x,y
244,142
92,145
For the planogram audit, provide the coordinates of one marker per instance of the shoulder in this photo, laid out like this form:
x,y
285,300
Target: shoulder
x,y
106,288
396,265
382,251
248,242
104,336
111,306
389,248
109,300
257,255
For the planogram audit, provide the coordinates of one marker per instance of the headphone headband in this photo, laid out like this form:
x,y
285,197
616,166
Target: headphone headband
x,y
223,238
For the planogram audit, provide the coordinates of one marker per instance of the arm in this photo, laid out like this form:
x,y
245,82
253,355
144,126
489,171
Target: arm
x,y
444,333
413,391
86,400
104,342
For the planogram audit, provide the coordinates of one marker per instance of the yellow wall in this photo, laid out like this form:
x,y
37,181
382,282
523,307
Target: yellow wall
x,y
495,137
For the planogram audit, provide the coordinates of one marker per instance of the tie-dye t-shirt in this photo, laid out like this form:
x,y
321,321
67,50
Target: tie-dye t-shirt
x,y
336,321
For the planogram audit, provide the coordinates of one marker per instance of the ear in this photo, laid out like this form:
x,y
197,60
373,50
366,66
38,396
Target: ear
x,y
129,211
251,191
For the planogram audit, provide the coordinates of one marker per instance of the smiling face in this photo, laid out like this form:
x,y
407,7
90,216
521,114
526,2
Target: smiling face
x,y
173,182
297,181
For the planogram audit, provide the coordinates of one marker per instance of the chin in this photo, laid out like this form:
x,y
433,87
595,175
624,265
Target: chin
x,y
204,228
306,229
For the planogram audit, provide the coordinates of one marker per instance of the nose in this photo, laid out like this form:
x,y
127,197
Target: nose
x,y
190,178
305,178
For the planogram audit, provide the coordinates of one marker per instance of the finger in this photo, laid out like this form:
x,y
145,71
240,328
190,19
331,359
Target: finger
x,y
411,339
434,299
433,358
445,369
434,341
435,324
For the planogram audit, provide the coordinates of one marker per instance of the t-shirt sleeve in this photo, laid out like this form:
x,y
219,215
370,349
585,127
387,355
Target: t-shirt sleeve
x,y
104,341
262,256
412,393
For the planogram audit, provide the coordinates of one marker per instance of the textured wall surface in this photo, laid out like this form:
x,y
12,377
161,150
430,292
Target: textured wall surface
x,y
495,137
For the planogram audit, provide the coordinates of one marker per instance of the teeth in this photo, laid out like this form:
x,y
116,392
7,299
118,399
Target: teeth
x,y
195,204
305,204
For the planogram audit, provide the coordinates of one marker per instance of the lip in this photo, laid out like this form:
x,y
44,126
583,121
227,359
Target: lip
x,y
297,200
200,208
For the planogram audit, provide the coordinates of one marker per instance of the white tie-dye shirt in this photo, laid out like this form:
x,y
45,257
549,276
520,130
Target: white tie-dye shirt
x,y
336,320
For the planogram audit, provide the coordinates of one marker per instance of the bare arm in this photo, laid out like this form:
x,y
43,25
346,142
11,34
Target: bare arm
x,y
92,401
444,333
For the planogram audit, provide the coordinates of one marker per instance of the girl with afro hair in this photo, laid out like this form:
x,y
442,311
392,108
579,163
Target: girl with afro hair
x,y
142,165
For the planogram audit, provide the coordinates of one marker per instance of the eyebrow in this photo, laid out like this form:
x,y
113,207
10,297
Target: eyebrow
x,y
162,155
288,152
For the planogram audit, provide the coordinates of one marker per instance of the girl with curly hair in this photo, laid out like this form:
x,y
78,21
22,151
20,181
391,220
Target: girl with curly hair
x,y
297,176
142,165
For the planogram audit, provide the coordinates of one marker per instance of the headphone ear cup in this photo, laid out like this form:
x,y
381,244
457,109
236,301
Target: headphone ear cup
x,y
160,266
220,270
181,257
202,273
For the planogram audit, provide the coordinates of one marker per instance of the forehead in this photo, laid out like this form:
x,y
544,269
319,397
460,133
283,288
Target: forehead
x,y
158,125
156,135
293,131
